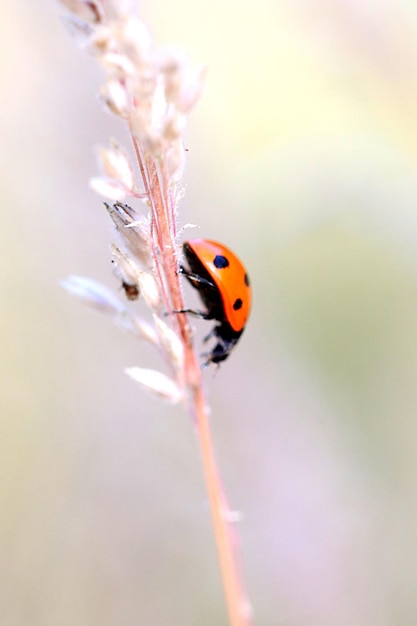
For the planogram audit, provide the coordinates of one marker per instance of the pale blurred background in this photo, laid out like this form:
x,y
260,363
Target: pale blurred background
x,y
303,158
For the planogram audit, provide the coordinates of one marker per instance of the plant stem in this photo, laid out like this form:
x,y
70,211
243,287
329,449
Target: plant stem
x,y
163,220
237,603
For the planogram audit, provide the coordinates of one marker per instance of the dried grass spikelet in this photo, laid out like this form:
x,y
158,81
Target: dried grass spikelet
x,y
152,90
116,181
156,382
99,298
133,230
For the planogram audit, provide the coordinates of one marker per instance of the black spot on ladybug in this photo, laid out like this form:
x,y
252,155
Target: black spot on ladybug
x,y
237,304
220,262
247,281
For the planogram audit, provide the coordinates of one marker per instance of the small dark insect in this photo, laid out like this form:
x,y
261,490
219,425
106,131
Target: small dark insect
x,y
131,291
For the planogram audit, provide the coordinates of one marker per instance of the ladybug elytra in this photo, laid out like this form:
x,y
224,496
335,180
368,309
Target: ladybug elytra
x,y
223,286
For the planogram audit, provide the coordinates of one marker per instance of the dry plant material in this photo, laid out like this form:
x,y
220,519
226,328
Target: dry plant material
x,y
152,90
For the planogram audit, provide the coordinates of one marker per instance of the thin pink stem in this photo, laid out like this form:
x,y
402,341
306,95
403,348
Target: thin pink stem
x,y
227,546
163,217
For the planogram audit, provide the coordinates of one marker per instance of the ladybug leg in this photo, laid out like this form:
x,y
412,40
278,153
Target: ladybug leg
x,y
199,283
195,280
202,314
211,334
208,361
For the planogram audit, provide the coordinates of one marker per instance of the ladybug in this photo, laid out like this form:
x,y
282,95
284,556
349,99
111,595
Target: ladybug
x,y
223,286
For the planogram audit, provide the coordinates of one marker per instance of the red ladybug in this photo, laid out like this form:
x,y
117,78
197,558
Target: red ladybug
x,y
223,285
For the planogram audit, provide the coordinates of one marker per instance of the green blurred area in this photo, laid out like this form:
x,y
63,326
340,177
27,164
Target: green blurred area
x,y
302,157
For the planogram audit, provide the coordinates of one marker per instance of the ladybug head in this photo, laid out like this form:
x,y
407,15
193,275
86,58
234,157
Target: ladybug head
x,y
227,339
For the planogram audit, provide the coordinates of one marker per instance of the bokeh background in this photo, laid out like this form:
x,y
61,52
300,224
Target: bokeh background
x,y
303,158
